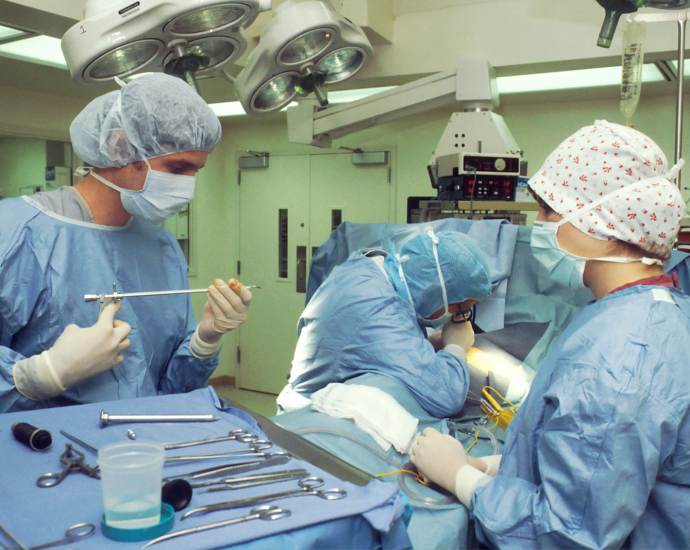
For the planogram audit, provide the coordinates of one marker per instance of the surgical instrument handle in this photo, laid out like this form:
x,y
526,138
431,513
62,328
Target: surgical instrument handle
x,y
115,418
262,512
120,295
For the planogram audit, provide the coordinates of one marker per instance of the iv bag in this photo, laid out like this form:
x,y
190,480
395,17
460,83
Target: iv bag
x,y
631,75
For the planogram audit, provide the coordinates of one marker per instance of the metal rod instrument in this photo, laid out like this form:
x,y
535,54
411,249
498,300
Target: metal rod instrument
x,y
107,418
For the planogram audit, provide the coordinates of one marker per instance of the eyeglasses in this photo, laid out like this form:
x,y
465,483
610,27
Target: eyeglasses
x,y
462,316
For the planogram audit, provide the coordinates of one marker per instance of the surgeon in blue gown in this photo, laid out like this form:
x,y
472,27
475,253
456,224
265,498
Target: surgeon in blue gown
x,y
370,316
145,142
598,456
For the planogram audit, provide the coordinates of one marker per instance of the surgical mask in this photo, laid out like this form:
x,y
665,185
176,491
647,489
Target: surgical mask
x,y
162,196
564,267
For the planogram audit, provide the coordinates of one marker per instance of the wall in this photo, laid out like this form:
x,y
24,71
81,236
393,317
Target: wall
x,y
23,162
538,127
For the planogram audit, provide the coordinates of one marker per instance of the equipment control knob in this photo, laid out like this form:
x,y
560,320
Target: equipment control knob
x,y
500,164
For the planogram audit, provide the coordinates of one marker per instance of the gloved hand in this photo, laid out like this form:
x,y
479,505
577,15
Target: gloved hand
x,y
78,353
81,353
226,309
460,334
438,457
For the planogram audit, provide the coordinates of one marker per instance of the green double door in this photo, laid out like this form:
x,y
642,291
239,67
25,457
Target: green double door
x,y
286,212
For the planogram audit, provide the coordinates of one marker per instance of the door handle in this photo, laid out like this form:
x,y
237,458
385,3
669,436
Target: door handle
x,y
301,268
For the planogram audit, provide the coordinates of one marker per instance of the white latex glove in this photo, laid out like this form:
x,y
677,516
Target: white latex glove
x,y
226,309
438,457
78,353
460,334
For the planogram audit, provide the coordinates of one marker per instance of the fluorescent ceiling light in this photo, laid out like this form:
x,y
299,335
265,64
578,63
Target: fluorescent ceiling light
x,y
234,108
44,50
686,67
568,80
9,32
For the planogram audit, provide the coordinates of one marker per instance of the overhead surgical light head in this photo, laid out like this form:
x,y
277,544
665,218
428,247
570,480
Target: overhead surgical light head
x,y
306,46
181,37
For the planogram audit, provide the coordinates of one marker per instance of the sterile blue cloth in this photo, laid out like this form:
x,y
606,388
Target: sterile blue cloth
x,y
48,263
496,239
598,456
369,516
356,323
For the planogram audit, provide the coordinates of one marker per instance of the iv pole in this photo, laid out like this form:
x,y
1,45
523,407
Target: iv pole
x,y
681,18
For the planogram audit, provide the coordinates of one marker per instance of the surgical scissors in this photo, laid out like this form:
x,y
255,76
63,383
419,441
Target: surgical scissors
x,y
74,462
308,486
78,531
238,435
255,449
268,513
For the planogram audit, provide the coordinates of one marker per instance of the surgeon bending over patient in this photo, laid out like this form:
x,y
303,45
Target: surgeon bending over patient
x,y
598,456
366,316
146,142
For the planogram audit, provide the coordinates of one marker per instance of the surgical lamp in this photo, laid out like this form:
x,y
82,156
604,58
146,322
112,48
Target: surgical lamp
x,y
181,37
616,8
306,46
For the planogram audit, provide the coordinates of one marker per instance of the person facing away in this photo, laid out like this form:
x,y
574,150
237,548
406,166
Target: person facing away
x,y
598,456
366,316
145,142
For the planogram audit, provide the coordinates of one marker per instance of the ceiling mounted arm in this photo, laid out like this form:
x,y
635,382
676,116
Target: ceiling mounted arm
x,y
473,84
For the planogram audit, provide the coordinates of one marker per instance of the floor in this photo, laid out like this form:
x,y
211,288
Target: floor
x,y
261,403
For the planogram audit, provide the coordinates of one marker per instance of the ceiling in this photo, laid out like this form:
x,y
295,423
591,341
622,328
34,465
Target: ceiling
x,y
427,36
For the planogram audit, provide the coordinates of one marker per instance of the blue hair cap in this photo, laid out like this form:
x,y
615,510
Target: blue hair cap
x,y
151,116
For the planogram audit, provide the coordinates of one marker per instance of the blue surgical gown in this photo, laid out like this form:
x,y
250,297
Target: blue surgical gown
x,y
357,323
598,456
48,263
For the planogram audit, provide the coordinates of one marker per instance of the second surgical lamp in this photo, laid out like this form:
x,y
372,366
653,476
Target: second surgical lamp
x,y
306,46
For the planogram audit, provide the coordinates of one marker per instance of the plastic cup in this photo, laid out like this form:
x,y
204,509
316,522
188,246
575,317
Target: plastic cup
x,y
131,473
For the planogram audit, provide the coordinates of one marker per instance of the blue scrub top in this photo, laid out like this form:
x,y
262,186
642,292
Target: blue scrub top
x,y
357,323
598,456
47,264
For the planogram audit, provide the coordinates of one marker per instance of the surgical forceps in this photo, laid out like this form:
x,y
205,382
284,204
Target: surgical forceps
x,y
78,531
238,435
74,462
308,486
253,480
233,469
255,449
267,513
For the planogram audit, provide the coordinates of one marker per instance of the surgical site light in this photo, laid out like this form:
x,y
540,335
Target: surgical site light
x,y
181,37
306,46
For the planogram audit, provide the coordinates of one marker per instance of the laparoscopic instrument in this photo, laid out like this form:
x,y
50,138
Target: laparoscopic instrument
x,y
267,513
116,296
74,462
74,533
308,486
